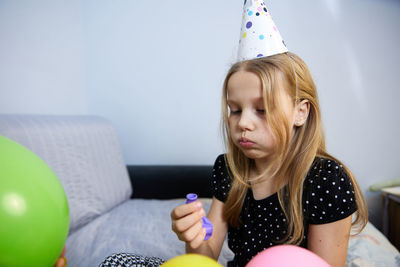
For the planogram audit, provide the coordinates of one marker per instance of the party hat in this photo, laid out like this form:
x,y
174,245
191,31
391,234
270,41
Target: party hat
x,y
259,36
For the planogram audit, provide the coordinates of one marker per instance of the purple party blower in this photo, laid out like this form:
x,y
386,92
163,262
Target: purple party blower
x,y
205,221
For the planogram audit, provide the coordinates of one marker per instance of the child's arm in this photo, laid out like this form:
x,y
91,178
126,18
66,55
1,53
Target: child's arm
x,y
186,223
61,261
330,240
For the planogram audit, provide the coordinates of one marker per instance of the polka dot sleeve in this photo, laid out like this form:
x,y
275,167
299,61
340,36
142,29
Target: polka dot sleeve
x,y
328,193
221,181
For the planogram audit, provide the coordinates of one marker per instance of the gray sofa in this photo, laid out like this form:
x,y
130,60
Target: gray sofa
x,y
106,215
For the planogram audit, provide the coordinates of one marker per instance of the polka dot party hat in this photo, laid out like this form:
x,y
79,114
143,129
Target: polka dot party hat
x,y
259,36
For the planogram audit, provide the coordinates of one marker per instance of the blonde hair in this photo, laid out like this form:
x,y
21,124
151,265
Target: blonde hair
x,y
294,154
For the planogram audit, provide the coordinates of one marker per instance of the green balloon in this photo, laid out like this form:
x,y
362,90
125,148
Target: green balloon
x,y
34,214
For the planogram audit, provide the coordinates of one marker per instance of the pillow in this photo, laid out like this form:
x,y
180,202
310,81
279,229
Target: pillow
x,y
84,153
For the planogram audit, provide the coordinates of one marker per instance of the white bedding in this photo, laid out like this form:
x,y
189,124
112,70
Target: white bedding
x,y
371,248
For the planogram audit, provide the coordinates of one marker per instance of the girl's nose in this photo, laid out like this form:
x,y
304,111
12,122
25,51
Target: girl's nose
x,y
245,122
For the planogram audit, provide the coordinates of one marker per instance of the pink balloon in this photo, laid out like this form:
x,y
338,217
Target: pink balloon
x,y
287,256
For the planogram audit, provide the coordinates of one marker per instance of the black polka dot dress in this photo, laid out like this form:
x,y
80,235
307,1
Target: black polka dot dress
x,y
328,196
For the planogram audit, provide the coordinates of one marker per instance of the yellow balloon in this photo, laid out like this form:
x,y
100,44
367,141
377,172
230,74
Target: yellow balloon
x,y
191,260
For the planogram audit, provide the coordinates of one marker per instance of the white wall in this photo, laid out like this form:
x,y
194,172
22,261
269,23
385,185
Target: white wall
x,y
42,65
156,68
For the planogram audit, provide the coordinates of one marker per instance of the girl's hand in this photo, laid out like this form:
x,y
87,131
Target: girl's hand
x,y
61,261
187,224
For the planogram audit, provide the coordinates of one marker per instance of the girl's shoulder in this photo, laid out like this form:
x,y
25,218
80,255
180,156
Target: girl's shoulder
x,y
221,179
220,167
220,160
328,192
326,166
326,172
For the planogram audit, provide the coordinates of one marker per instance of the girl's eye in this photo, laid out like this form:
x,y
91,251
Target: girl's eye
x,y
261,111
236,111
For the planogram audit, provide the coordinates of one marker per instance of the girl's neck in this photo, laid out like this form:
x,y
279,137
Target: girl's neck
x,y
260,165
264,184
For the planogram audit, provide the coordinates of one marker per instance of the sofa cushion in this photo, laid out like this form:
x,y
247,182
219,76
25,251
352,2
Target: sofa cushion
x,y
84,153
138,226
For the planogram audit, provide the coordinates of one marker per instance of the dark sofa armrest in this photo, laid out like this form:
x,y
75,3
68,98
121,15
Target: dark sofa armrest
x,y
169,181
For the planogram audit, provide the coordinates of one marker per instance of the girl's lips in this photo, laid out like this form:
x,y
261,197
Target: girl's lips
x,y
245,143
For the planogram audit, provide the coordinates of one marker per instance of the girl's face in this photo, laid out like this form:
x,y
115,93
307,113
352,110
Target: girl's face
x,y
248,126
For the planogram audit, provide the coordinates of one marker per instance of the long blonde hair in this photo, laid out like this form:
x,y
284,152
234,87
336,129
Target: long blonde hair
x,y
295,153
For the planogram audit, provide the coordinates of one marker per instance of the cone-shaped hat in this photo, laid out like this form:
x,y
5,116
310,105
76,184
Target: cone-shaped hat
x,y
259,36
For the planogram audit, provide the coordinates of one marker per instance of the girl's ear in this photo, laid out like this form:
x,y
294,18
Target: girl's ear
x,y
301,112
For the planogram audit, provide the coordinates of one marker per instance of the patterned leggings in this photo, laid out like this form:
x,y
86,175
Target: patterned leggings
x,y
131,260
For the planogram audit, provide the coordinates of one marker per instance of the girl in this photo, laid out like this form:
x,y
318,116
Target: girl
x,y
277,183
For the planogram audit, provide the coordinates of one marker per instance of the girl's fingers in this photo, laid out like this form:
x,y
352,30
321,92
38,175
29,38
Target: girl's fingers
x,y
60,262
185,209
198,240
190,234
187,224
183,224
